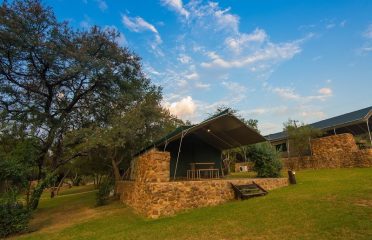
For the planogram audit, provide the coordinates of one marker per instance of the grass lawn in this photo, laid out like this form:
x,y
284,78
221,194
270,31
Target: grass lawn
x,y
325,204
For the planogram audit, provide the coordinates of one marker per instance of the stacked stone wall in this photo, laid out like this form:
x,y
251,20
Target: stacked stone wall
x,y
153,166
153,195
336,151
167,198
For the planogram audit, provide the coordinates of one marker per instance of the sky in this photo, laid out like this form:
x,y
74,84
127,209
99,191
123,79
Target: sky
x,y
270,60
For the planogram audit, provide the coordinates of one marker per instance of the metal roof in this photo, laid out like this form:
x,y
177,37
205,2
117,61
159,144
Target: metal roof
x,y
223,131
343,120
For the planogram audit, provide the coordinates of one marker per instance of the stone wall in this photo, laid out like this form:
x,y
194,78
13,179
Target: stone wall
x,y
155,199
153,195
152,166
335,151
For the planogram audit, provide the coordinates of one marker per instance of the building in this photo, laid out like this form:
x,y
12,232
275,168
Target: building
x,y
202,144
183,170
357,123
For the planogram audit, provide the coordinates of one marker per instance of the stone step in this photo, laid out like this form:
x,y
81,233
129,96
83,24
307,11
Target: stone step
x,y
248,191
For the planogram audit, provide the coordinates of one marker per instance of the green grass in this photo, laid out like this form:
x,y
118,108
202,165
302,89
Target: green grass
x,y
325,204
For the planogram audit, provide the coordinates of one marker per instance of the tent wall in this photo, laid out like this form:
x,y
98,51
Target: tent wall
x,y
193,150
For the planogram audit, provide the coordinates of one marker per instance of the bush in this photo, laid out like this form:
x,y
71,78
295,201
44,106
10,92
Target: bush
x,y
266,160
104,190
14,217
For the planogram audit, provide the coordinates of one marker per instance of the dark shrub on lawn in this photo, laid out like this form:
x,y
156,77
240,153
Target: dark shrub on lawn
x,y
266,160
104,190
14,216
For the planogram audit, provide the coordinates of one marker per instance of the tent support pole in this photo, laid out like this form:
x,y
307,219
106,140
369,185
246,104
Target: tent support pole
x,y
178,154
288,148
165,145
334,130
369,132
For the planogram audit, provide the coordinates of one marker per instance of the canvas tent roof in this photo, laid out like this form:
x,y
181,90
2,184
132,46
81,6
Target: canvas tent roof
x,y
223,131
343,120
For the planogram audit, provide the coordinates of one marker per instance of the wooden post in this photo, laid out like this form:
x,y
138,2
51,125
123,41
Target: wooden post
x,y
369,132
288,148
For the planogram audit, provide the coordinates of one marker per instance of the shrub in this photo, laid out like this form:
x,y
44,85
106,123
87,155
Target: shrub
x,y
104,190
14,217
266,160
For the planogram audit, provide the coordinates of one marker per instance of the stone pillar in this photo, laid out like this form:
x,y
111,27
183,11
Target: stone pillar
x,y
153,166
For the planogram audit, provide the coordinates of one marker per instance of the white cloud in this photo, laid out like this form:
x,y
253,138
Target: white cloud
x,y
312,114
272,52
210,37
290,94
237,92
151,71
183,58
279,110
224,19
237,43
330,26
138,24
182,83
269,127
211,16
212,55
192,76
177,6
201,85
317,58
102,5
366,49
286,93
368,32
325,91
183,108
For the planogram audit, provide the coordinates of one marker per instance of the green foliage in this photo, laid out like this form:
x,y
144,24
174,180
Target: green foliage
x,y
17,159
363,140
14,216
125,134
299,136
56,79
104,190
266,160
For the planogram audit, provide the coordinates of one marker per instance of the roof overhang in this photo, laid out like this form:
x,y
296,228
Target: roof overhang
x,y
346,124
223,132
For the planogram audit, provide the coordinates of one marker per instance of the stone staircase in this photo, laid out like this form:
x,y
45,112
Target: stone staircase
x,y
248,191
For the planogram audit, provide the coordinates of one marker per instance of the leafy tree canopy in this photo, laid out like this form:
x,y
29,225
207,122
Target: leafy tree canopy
x,y
55,80
299,136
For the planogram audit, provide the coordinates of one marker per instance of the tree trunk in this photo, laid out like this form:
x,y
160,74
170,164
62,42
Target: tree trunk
x,y
36,193
116,170
61,182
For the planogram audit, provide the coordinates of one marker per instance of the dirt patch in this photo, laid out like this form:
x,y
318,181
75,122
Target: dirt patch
x,y
364,203
45,222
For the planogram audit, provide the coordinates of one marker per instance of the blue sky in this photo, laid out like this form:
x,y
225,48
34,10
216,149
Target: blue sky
x,y
271,60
